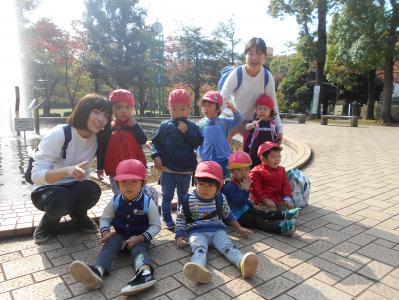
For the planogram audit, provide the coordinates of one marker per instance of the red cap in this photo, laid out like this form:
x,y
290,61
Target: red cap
x,y
209,169
130,169
265,100
214,97
121,95
266,146
239,159
179,96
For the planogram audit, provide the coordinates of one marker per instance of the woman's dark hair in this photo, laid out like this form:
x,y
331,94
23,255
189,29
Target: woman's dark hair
x,y
83,108
208,180
258,43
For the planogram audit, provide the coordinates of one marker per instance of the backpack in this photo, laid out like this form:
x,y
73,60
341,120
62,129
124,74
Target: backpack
x,y
239,69
218,211
300,187
68,136
118,198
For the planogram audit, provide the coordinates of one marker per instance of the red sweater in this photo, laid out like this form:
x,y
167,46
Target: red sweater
x,y
270,183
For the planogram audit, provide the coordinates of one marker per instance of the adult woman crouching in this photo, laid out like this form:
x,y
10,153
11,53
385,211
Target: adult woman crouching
x,y
61,180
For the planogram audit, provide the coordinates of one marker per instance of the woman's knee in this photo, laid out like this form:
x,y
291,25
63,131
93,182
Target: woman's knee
x,y
56,201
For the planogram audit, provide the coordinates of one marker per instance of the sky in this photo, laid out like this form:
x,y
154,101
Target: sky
x,y
250,16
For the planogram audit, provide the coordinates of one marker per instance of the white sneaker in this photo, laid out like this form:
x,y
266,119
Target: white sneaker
x,y
89,276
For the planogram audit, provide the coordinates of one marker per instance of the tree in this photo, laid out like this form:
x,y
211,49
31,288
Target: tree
x,y
313,46
226,32
193,60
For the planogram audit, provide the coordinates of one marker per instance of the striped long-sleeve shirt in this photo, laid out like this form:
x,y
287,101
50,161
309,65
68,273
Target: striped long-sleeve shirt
x,y
199,208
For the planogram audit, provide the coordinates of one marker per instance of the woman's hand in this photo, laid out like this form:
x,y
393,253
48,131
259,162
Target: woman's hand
x,y
78,171
158,163
100,174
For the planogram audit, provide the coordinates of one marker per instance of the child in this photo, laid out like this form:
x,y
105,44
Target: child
x,y
269,187
215,129
122,140
199,221
237,195
262,129
173,152
135,219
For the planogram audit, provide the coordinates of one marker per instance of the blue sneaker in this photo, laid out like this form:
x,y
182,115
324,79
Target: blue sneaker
x,y
168,223
287,227
291,213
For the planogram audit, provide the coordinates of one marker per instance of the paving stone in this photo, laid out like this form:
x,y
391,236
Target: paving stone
x,y
329,267
256,247
375,270
65,250
168,270
385,243
62,260
5,296
327,277
215,294
385,291
380,253
341,261
274,287
181,293
390,235
314,289
50,273
301,272
328,235
164,254
250,295
369,295
93,295
362,239
279,245
50,289
15,283
318,247
41,249
10,256
295,258
354,284
239,286
25,266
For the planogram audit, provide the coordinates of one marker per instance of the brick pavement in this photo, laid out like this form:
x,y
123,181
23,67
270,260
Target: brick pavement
x,y
346,246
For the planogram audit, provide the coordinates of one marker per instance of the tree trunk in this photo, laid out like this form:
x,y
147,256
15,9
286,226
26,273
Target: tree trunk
x,y
370,94
196,99
345,107
321,52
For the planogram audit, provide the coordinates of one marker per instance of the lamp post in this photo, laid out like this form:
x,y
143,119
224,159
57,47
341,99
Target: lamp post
x,y
157,28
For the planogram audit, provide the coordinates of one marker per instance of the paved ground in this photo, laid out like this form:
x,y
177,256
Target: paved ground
x,y
347,244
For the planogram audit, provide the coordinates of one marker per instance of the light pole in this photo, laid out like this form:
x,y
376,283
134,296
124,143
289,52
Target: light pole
x,y
157,28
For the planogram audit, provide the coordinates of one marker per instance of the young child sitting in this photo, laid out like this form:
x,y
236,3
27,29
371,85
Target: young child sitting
x,y
237,195
199,221
173,152
270,188
136,221
122,140
262,129
215,129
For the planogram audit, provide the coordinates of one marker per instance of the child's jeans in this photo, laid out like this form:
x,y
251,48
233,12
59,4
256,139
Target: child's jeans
x,y
264,220
170,182
199,242
139,253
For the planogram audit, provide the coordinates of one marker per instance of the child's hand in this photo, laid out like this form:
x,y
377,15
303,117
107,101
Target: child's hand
x,y
78,171
134,240
244,232
231,106
100,174
158,163
181,241
245,184
106,236
252,125
269,203
182,127
289,204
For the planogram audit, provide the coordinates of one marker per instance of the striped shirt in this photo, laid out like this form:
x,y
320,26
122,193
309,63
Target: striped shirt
x,y
200,208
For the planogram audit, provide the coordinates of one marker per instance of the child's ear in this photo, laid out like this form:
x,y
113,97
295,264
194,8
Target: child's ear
x,y
263,159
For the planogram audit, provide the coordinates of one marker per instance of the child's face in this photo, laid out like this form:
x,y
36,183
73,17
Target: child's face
x,y
262,112
178,111
209,109
206,190
96,121
273,159
130,188
240,174
122,111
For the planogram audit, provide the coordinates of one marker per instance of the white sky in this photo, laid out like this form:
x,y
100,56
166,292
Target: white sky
x,y
250,17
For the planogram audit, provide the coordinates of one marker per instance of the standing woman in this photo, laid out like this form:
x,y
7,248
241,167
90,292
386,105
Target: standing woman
x,y
251,87
61,184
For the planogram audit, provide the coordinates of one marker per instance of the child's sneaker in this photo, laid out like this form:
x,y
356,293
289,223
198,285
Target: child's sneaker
x,y
138,283
287,227
89,276
248,264
291,213
197,273
168,224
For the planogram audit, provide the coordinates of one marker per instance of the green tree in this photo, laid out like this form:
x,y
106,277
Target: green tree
x,y
226,32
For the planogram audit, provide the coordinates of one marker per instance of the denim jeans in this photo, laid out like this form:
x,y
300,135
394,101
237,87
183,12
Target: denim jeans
x,y
199,242
223,164
170,182
139,253
73,199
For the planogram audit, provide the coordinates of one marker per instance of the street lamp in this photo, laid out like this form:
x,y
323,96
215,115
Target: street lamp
x,y
157,28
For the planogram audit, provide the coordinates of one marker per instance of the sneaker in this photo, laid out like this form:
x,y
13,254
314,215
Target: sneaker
x,y
168,224
86,224
44,230
287,227
291,213
89,276
138,283
197,273
248,264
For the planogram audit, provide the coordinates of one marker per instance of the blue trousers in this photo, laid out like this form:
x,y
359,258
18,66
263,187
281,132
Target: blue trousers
x,y
170,182
139,253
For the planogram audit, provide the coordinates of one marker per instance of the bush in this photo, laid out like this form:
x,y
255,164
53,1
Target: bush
x,y
52,115
67,113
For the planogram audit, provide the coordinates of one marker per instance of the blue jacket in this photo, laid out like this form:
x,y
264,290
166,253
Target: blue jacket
x,y
175,148
237,198
215,146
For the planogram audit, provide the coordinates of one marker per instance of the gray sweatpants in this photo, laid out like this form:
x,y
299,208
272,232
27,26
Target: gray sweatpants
x,y
139,253
199,242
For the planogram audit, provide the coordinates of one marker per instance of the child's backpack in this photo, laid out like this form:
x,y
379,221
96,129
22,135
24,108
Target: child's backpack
x,y
300,187
218,211
68,136
118,198
239,69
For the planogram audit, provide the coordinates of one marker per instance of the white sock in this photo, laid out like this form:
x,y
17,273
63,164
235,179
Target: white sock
x,y
101,270
146,272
